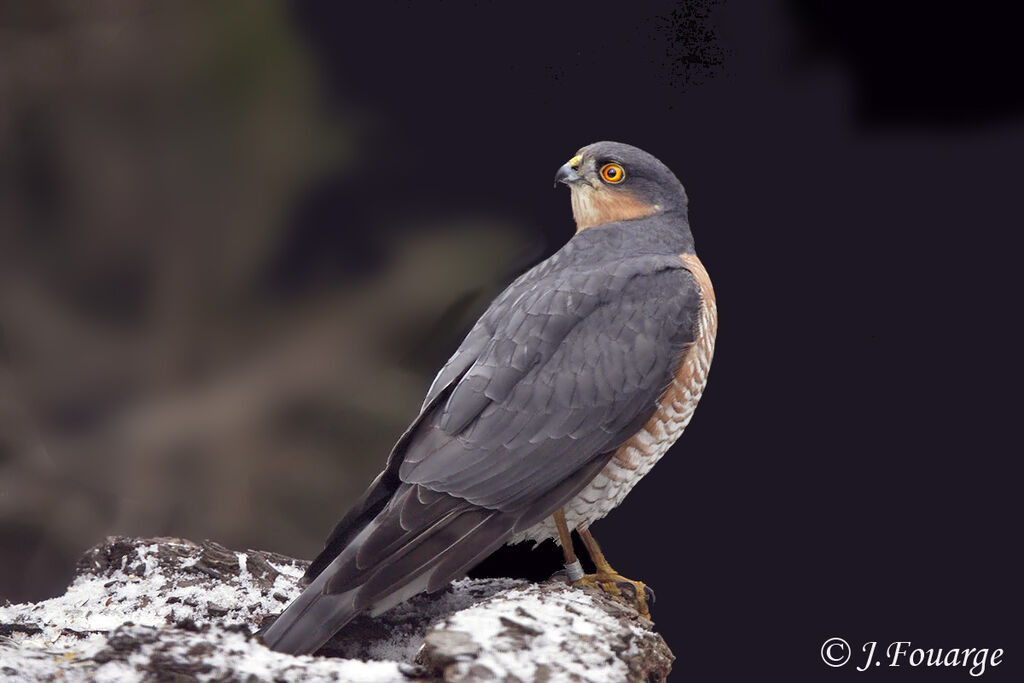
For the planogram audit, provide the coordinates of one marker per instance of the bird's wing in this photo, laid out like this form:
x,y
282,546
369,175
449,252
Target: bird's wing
x,y
469,352
559,372
572,367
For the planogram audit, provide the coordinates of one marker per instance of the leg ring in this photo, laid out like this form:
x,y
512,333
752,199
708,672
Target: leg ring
x,y
574,571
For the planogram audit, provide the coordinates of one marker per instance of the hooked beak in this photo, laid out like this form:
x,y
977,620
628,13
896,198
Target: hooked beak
x,y
568,174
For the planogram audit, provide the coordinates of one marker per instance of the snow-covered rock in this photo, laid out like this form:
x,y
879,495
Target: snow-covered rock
x,y
165,608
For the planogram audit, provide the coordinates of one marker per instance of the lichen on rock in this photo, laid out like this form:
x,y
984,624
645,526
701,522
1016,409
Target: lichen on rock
x,y
142,609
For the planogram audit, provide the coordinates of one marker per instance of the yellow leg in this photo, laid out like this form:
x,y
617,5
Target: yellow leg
x,y
627,591
595,552
564,536
573,568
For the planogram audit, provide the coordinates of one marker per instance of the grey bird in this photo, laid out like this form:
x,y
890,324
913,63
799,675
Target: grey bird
x,y
573,383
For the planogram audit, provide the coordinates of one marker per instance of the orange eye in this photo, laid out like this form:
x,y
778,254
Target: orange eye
x,y
613,173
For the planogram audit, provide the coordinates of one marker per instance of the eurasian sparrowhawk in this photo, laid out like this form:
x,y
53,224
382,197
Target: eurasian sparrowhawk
x,y
568,389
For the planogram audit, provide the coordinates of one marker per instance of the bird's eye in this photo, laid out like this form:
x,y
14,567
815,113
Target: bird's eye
x,y
613,173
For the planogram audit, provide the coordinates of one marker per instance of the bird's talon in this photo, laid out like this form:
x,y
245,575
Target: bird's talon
x,y
634,594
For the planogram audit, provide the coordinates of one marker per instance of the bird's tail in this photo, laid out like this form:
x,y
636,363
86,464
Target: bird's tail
x,y
419,542
310,620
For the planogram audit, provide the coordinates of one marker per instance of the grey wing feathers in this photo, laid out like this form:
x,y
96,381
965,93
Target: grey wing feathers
x,y
563,368
591,360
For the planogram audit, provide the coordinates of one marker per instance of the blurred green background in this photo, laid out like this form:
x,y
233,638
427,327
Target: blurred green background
x,y
155,375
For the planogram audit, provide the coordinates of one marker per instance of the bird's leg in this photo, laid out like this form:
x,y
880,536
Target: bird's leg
x,y
573,568
633,593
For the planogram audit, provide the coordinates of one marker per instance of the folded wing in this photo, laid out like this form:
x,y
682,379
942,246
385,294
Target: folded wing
x,y
564,367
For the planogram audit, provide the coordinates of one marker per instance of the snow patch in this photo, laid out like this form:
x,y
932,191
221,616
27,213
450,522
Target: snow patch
x,y
163,608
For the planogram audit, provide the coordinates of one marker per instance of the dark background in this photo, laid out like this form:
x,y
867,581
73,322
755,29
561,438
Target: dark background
x,y
237,240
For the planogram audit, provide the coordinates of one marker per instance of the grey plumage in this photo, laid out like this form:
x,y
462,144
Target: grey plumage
x,y
564,366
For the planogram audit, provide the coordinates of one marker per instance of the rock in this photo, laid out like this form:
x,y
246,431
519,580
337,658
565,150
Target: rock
x,y
548,631
166,608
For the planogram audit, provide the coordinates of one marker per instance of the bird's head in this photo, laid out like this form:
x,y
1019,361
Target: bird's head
x,y
612,181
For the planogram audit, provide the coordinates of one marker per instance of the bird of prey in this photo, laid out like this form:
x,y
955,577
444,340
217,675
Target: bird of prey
x,y
573,383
